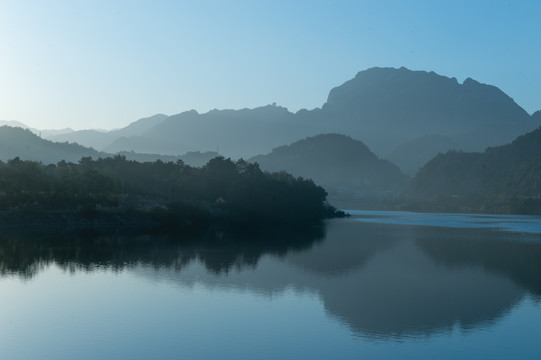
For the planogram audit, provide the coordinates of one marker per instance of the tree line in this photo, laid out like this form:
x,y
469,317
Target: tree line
x,y
169,192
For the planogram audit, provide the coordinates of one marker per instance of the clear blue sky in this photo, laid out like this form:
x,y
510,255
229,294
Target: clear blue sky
x,y
87,64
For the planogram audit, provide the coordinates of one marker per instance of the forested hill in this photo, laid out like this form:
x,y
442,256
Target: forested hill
x,y
24,144
169,194
338,163
508,171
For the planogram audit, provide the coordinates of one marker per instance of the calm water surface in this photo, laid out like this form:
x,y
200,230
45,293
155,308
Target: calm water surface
x,y
378,285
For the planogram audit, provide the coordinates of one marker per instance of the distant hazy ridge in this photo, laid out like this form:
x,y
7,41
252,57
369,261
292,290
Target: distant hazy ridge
x,y
382,107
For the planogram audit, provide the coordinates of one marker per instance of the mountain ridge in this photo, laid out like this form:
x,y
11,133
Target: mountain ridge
x,y
383,107
101,139
16,142
509,170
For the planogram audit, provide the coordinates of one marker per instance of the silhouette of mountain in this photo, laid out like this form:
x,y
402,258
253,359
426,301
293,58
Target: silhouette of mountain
x,y
22,143
234,133
191,158
503,171
13,124
44,133
536,116
25,144
383,107
412,155
140,126
47,134
143,144
338,163
100,139
95,139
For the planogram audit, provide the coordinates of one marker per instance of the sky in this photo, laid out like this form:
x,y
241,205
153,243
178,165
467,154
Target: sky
x,y
104,64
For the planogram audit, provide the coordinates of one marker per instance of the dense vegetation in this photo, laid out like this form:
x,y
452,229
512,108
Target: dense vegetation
x,y
171,194
502,179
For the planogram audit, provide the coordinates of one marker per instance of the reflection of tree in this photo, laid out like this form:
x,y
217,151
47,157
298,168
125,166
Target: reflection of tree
x,y
381,280
377,280
219,251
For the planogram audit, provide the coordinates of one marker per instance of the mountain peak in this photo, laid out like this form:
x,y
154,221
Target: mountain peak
x,y
469,82
389,105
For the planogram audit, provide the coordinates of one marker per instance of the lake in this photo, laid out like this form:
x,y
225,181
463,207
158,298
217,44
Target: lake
x,y
376,285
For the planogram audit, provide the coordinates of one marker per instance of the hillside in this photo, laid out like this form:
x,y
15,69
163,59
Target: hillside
x,y
383,107
393,111
412,155
510,171
107,193
101,139
22,143
536,116
234,133
339,163
13,124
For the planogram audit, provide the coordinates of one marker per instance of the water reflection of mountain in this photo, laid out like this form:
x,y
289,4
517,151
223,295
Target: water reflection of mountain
x,y
381,280
402,291
513,255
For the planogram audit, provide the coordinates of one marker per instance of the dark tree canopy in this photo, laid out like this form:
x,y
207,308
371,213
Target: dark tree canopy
x,y
171,192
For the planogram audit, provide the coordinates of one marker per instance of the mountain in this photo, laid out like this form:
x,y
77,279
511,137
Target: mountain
x,y
13,123
412,155
383,107
140,126
100,139
22,143
47,134
42,133
234,133
536,116
339,163
192,158
512,170
95,139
